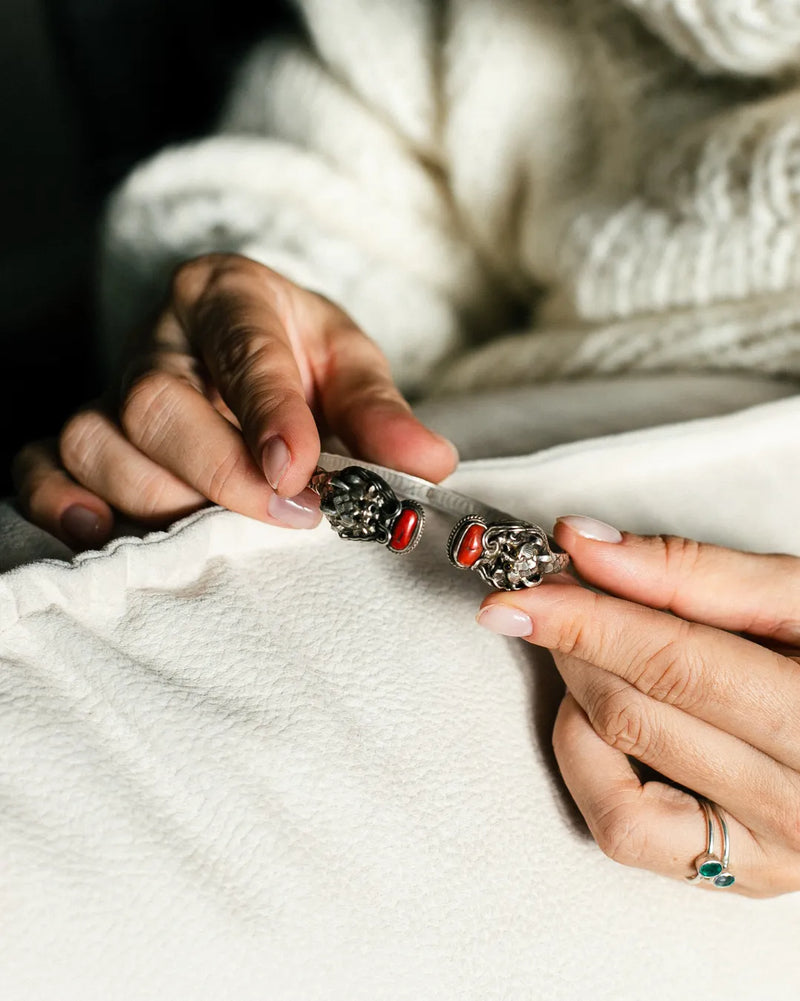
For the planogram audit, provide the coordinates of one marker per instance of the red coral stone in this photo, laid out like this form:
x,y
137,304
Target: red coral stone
x,y
470,547
403,530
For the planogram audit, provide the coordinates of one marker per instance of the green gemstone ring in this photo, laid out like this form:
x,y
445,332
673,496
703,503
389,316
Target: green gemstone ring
x,y
710,867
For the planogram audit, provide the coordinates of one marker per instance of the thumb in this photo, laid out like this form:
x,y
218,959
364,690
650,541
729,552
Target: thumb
x,y
755,593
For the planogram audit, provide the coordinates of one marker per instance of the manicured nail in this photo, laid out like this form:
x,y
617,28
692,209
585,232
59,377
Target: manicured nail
x,y
82,525
301,511
275,459
591,528
504,620
451,446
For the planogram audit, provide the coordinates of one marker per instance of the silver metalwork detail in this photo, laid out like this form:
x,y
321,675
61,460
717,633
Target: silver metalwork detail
x,y
360,505
514,554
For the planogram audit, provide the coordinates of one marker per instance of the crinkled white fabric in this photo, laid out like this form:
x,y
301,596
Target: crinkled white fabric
x,y
585,175
242,762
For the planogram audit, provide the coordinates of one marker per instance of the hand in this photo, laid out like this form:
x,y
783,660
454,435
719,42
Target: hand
x,y
220,401
655,671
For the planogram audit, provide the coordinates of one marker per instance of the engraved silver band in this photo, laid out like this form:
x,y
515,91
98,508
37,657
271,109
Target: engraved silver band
x,y
360,500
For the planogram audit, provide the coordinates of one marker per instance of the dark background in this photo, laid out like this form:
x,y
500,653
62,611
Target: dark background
x,y
89,88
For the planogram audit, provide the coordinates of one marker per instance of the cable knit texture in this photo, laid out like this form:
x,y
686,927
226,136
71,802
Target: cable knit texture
x,y
621,174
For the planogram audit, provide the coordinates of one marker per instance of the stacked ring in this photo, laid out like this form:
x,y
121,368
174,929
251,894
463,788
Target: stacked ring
x,y
360,502
710,868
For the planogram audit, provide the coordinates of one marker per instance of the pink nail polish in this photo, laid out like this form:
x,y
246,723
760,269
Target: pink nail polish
x,y
301,511
591,528
275,459
505,620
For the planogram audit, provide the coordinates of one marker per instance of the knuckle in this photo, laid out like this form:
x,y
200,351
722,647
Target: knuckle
x,y
147,407
214,274
190,278
216,483
258,407
574,638
240,350
79,439
680,558
150,492
672,673
621,834
622,721
780,726
256,373
681,555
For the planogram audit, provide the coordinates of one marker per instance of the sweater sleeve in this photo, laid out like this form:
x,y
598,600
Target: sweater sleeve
x,y
741,37
325,167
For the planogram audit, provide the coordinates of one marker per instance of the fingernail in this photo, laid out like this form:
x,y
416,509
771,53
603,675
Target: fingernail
x,y
301,511
504,620
591,528
451,446
82,525
275,459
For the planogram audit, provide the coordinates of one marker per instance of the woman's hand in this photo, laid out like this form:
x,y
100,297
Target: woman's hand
x,y
655,671
221,401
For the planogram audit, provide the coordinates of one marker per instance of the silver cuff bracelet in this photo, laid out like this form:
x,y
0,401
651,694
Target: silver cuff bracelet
x,y
361,502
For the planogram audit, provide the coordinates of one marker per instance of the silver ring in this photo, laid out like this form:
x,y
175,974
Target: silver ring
x,y
725,878
359,501
710,867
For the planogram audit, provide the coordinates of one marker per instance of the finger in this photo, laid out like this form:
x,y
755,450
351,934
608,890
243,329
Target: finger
x,y
752,785
363,406
51,499
726,680
236,320
163,346
96,453
745,592
650,826
179,430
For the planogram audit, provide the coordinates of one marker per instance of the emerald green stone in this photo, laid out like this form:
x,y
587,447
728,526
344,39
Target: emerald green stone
x,y
710,869
726,879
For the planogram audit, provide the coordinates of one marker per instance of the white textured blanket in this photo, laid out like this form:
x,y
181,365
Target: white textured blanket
x,y
242,762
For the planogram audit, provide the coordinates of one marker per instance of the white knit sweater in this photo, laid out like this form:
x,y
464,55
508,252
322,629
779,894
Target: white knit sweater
x,y
502,191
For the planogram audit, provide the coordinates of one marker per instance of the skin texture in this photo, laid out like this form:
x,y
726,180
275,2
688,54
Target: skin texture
x,y
237,357
686,661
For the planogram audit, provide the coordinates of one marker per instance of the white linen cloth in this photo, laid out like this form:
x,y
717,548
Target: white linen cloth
x,y
244,762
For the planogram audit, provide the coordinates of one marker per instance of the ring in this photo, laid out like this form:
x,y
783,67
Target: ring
x,y
726,877
710,867
359,501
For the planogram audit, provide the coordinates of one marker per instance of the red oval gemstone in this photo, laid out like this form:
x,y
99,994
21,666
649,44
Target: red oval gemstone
x,y
403,530
470,547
